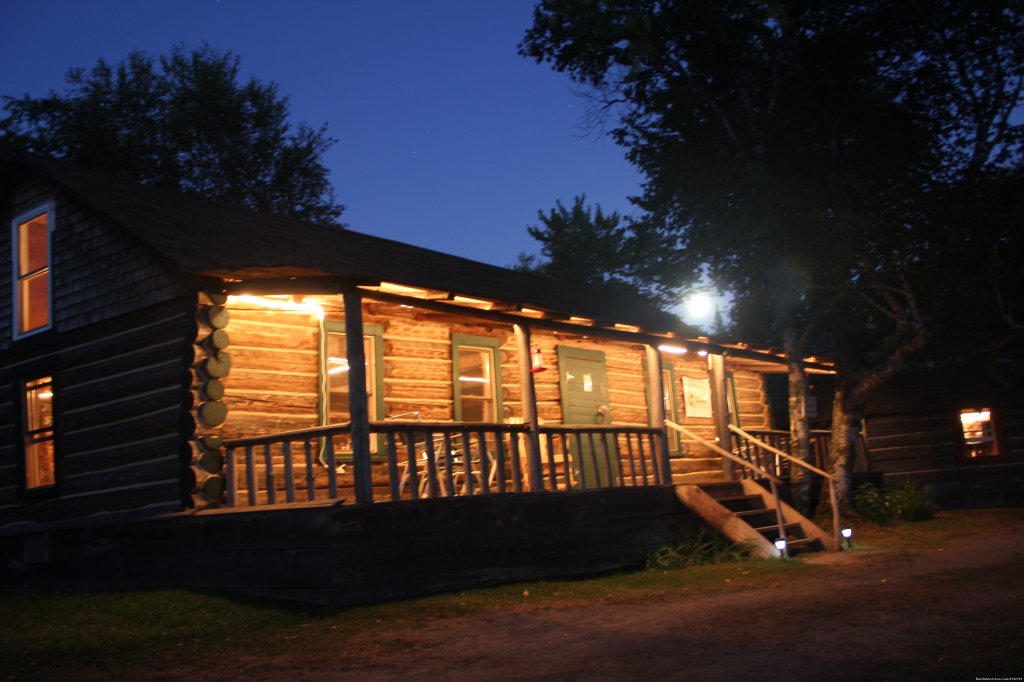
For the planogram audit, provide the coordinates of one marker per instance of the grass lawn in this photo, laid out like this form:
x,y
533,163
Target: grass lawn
x,y
102,632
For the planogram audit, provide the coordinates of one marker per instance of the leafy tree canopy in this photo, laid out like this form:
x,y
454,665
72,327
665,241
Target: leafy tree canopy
x,y
808,153
584,245
183,121
848,169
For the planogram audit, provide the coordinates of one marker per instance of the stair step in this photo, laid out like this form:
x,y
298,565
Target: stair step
x,y
742,503
792,530
722,489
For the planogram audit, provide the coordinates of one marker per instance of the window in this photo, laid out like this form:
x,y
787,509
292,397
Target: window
x,y
30,240
334,403
980,434
40,466
476,379
668,396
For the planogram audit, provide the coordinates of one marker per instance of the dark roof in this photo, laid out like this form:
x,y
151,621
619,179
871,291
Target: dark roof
x,y
206,238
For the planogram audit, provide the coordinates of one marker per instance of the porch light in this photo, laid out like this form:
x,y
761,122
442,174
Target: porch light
x,y
674,350
702,353
287,303
536,361
780,545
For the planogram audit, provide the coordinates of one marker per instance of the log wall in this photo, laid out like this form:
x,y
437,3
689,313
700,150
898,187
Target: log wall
x,y
923,447
121,414
272,385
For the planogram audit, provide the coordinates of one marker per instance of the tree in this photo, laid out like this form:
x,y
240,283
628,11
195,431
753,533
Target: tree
x,y
182,122
804,152
584,245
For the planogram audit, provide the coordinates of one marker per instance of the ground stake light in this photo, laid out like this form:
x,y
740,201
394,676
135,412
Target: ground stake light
x,y
848,536
780,545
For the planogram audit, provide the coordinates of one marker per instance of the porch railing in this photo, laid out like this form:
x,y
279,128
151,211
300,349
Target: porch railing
x,y
820,442
747,465
760,453
419,459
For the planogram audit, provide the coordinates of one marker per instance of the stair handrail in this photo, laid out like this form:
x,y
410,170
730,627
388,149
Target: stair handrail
x,y
773,480
810,467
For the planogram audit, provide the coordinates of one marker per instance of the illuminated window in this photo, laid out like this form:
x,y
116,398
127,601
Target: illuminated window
x,y
40,468
30,239
334,368
979,433
337,378
477,384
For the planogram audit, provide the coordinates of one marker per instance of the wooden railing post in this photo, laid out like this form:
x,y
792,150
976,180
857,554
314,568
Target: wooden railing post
x,y
358,410
720,411
656,411
529,400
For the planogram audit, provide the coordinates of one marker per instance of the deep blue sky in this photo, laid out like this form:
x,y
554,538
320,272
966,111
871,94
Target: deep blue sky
x,y
447,137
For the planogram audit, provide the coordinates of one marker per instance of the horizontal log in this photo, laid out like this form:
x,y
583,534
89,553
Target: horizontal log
x,y
102,387
126,407
243,380
146,467
106,362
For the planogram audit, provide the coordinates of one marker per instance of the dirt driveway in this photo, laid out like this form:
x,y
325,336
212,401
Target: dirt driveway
x,y
953,610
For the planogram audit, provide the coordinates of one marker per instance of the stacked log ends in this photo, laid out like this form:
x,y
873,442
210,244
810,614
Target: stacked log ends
x,y
212,364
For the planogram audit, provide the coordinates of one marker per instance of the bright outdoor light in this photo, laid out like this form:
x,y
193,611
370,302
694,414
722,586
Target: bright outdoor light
x,y
700,307
780,545
848,536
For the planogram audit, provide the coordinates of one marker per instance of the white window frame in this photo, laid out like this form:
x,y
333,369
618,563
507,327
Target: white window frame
x,y
17,277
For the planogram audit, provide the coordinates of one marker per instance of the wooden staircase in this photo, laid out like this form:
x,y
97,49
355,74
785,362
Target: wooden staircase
x,y
744,512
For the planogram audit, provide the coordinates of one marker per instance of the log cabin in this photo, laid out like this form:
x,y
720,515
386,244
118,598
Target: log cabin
x,y
956,430
182,379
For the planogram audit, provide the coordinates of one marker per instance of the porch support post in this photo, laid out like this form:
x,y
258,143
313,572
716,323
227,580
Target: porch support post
x,y
656,409
529,405
720,411
359,413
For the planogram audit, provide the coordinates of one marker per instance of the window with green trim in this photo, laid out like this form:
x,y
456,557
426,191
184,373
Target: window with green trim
x,y
476,378
334,368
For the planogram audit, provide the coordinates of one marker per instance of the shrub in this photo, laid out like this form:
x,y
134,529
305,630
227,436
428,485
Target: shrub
x,y
909,502
703,549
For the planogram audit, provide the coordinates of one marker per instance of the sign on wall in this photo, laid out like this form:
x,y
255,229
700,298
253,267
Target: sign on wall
x,y
697,397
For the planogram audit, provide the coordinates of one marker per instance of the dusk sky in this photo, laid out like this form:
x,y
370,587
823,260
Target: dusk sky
x,y
447,137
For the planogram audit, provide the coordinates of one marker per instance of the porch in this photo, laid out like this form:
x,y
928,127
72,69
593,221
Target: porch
x,y
373,396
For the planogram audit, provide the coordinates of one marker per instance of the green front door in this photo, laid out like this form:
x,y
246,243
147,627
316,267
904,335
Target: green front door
x,y
584,386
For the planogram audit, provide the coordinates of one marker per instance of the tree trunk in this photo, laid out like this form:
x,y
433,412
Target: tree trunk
x,y
842,452
799,431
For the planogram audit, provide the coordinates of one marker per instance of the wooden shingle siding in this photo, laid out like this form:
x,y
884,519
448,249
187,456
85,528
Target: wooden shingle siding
x,y
100,273
26,196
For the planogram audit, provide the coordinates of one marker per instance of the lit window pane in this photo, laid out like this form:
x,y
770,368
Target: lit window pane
x,y
32,281
476,384
34,305
33,241
979,433
40,470
337,377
